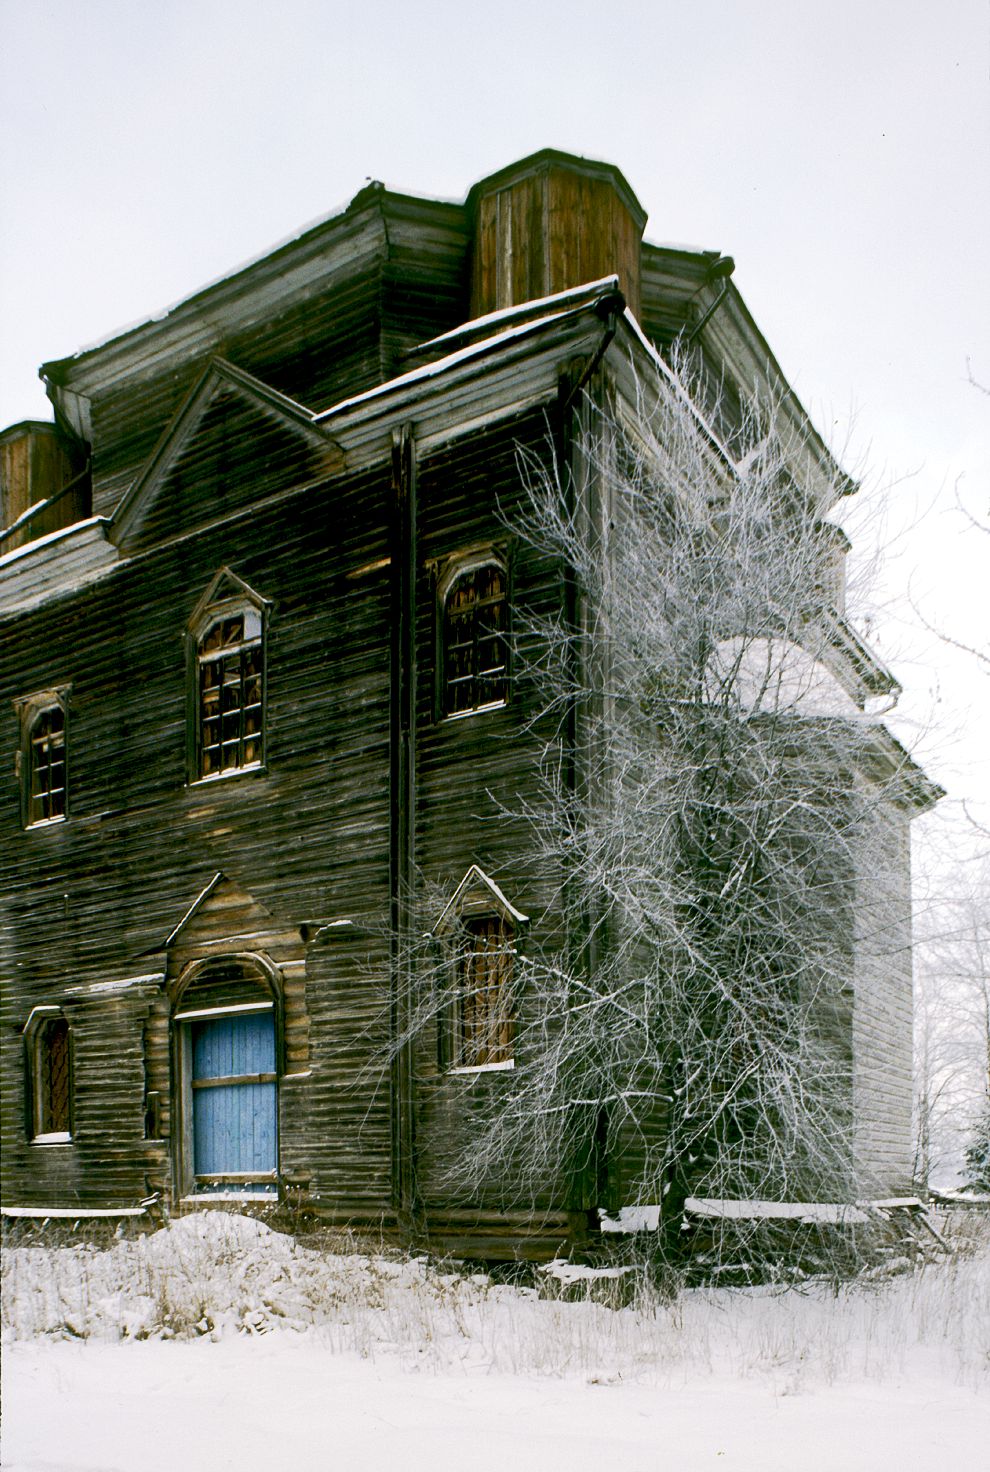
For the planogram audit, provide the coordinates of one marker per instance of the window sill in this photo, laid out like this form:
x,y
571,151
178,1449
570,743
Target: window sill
x,y
217,1198
483,1067
54,1137
254,768
44,823
476,710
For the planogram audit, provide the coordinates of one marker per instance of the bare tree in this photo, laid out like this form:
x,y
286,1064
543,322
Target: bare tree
x,y
709,795
952,1034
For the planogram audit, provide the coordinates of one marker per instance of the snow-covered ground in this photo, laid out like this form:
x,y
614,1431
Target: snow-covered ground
x,y
219,1343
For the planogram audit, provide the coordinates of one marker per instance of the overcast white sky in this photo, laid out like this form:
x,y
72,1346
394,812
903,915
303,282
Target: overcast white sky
x,y
840,152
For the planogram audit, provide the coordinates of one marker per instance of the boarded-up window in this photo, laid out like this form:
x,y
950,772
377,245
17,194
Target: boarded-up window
x,y
230,714
233,1100
226,1030
474,640
46,765
484,1026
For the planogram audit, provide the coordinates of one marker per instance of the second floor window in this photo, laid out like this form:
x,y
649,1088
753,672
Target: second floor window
x,y
230,687
41,759
474,647
226,651
46,761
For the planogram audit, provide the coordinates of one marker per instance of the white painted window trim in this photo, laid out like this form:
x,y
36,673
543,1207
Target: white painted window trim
x,y
231,1011
502,1067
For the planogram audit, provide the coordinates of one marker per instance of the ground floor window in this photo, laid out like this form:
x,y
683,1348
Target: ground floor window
x,y
477,938
49,1058
485,1009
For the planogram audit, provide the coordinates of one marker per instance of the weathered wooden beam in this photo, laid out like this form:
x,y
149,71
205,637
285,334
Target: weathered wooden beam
x,y
402,830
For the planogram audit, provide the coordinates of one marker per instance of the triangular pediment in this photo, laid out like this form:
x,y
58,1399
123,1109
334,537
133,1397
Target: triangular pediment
x,y
222,915
477,894
233,443
225,588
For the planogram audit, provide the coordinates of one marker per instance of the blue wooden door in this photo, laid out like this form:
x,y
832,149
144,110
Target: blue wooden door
x,y
234,1105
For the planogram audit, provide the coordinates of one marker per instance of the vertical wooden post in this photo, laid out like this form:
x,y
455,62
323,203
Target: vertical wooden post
x,y
588,1168
402,828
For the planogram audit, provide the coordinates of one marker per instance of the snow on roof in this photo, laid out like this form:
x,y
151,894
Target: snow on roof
x,y
681,248
632,1219
590,290
444,365
671,378
97,988
50,537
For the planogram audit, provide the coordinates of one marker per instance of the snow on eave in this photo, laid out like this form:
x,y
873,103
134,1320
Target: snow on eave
x,y
32,510
734,310
62,532
908,783
473,880
103,988
587,294
200,899
667,373
53,370
447,364
808,436
677,247
129,330
873,678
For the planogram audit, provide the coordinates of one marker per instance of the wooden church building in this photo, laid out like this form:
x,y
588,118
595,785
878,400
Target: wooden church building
x,y
257,583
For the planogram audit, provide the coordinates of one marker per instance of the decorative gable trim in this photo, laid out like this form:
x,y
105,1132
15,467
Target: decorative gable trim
x,y
225,588
477,894
220,376
200,900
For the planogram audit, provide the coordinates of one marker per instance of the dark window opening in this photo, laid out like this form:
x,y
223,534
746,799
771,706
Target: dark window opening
x,y
46,740
52,1078
475,629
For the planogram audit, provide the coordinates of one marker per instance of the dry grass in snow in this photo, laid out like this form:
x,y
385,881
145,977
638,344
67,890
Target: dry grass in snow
x,y
214,1276
256,1349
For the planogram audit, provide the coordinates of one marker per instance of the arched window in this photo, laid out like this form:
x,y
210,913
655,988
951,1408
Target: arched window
x,y
228,688
46,743
49,1059
474,638
229,660
42,757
